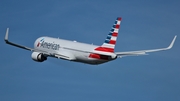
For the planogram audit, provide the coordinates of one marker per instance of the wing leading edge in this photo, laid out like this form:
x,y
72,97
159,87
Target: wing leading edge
x,y
14,44
144,52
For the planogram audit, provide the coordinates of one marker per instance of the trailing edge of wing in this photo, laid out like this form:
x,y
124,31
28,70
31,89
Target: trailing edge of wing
x,y
143,52
14,44
65,55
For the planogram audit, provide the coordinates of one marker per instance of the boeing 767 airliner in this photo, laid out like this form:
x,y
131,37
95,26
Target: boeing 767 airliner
x,y
81,52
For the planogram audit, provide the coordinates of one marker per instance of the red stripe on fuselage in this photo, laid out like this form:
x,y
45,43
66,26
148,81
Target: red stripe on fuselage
x,y
105,49
98,56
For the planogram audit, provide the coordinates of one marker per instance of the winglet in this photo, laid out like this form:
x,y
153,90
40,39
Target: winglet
x,y
14,44
6,37
172,43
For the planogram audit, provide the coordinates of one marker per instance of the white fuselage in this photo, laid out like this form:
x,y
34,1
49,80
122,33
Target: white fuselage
x,y
79,52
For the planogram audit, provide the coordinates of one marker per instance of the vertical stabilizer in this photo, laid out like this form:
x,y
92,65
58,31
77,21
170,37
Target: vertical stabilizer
x,y
110,42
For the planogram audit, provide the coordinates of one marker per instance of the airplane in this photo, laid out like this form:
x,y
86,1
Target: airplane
x,y
81,52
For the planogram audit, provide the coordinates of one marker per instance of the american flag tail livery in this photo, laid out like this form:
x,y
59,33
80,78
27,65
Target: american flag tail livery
x,y
110,42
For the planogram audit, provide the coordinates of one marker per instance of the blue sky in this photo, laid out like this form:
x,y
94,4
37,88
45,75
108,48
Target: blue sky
x,y
145,25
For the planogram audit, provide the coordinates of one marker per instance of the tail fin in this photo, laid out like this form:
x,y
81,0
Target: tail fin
x,y
110,42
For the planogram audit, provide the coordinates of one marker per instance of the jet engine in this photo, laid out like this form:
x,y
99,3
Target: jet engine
x,y
39,57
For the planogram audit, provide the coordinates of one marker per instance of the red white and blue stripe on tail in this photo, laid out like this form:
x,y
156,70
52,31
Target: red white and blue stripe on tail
x,y
109,44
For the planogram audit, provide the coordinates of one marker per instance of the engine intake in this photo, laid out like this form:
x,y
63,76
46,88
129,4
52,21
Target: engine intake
x,y
39,57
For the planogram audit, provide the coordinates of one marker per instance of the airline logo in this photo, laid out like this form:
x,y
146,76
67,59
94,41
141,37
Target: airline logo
x,y
39,43
109,43
48,45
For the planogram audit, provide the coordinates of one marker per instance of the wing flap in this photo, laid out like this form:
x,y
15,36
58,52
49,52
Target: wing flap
x,y
59,56
65,55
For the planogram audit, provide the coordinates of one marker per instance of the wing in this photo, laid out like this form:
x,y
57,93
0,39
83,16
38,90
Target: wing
x,y
14,44
65,55
61,55
144,52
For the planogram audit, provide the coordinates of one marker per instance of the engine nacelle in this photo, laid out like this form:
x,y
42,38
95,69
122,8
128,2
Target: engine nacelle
x,y
39,57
